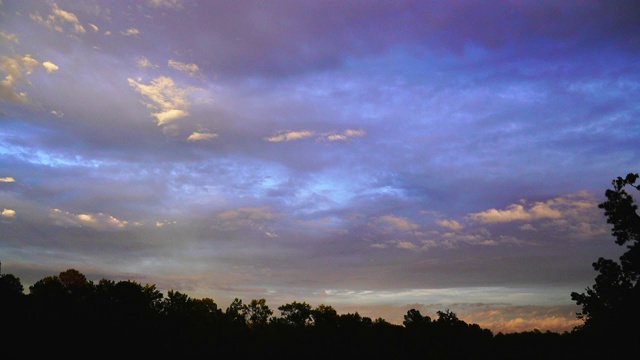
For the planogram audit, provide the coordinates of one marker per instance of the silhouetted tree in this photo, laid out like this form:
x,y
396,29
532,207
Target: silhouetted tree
x,y
235,313
610,308
11,289
414,320
257,313
324,316
296,314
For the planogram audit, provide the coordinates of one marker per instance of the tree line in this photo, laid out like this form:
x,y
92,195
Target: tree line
x,y
71,316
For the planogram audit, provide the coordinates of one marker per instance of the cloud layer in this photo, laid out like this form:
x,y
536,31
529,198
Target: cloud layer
x,y
368,155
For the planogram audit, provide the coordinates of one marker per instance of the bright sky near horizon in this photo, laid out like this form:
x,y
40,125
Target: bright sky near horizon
x,y
375,156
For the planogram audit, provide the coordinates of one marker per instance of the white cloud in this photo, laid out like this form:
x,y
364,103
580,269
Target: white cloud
x,y
297,135
94,27
406,245
516,212
131,32
15,68
51,67
349,133
10,37
191,69
57,113
290,136
143,62
169,4
198,136
8,213
167,99
399,223
97,221
573,206
58,19
165,117
7,179
450,224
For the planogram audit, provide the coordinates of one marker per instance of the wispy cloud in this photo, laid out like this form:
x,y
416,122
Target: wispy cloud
x,y
97,221
399,223
143,62
131,32
191,69
451,224
15,69
10,37
290,136
168,101
200,136
345,135
169,4
7,179
59,19
303,134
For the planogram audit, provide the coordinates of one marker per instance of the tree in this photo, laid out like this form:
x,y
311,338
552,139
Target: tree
x,y
11,288
257,313
235,312
324,316
611,305
296,314
414,320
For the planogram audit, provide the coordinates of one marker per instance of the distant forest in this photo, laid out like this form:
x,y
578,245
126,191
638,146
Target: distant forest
x,y
68,316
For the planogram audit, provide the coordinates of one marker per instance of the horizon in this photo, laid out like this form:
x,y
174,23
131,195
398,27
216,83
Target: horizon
x,y
372,156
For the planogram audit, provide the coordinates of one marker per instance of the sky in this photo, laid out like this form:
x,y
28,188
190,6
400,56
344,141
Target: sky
x,y
375,156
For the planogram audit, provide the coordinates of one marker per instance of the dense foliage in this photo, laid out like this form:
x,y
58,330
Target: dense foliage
x,y
610,308
72,317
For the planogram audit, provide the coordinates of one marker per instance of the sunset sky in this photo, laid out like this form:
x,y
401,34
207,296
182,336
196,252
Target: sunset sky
x,y
375,156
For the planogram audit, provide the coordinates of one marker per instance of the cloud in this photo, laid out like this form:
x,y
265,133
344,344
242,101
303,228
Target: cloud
x,y
515,212
167,99
253,213
198,136
15,69
51,67
143,62
8,213
256,218
165,117
58,19
290,136
450,224
168,4
131,32
407,245
191,69
97,221
94,27
574,215
400,223
7,179
297,135
162,223
10,37
349,133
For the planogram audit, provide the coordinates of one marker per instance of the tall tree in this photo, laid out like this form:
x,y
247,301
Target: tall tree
x,y
296,313
257,313
610,307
